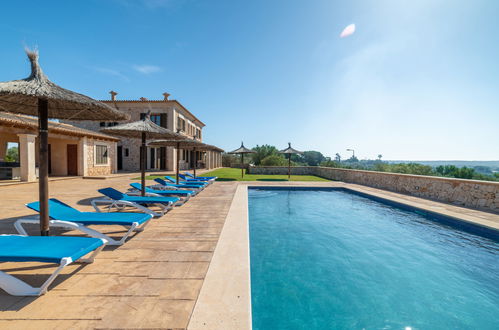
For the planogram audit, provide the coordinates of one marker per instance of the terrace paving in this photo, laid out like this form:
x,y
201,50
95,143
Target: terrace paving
x,y
150,282
154,280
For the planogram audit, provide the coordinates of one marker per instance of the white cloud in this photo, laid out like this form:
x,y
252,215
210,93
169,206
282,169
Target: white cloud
x,y
111,72
146,69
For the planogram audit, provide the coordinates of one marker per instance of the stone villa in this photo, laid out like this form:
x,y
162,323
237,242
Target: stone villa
x,y
167,113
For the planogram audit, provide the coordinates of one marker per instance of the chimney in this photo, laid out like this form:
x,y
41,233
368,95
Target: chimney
x,y
166,96
143,99
113,95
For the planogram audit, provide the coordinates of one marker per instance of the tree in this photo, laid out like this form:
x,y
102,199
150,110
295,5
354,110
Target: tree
x,y
380,156
337,157
313,158
273,160
263,152
12,154
229,159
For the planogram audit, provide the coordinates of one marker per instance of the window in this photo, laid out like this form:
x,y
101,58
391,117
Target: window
x,y
181,124
101,155
102,124
126,152
156,119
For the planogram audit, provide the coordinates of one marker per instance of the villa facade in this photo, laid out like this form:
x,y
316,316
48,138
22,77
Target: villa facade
x,y
73,151
166,113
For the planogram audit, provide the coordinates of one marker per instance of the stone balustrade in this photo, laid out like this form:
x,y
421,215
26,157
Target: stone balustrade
x,y
483,195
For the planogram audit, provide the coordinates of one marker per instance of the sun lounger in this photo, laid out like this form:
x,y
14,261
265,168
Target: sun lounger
x,y
63,215
183,194
117,199
62,250
187,179
168,185
202,178
197,183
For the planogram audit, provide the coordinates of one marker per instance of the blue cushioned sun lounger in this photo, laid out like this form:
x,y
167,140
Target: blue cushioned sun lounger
x,y
115,198
198,183
168,184
63,215
183,194
202,178
62,250
187,179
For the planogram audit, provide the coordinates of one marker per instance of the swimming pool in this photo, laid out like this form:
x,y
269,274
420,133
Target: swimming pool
x,y
330,259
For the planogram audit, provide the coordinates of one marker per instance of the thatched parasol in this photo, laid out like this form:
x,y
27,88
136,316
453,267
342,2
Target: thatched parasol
x,y
185,143
242,150
142,129
38,96
290,151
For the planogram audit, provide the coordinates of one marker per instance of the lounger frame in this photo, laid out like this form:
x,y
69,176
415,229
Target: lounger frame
x,y
120,205
73,225
16,287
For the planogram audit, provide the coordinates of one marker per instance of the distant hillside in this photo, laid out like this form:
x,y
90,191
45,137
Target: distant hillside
x,y
493,164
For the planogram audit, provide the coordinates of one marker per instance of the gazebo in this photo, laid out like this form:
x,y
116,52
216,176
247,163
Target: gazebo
x,y
38,96
290,151
184,143
242,150
143,129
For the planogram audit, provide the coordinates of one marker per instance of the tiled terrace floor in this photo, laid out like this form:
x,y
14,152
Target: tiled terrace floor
x,y
151,282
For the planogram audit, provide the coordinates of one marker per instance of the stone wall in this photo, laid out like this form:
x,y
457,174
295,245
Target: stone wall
x,y
483,195
96,170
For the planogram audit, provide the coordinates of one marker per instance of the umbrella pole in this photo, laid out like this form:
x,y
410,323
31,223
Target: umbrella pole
x,y
43,181
242,165
178,159
289,167
143,164
195,161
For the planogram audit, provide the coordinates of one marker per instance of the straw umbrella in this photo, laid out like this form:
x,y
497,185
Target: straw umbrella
x,y
38,96
242,150
183,143
289,151
142,129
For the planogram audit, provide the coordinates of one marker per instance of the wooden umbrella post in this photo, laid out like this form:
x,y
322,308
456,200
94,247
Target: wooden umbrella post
x,y
195,161
289,167
242,165
178,159
143,164
43,192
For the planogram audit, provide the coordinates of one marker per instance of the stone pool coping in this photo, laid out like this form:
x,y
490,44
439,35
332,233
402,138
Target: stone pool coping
x,y
225,298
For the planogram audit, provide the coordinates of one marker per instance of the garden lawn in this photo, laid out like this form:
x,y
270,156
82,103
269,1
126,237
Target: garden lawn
x,y
234,174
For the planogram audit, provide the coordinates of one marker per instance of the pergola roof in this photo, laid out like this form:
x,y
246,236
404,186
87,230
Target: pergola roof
x,y
21,96
184,143
31,123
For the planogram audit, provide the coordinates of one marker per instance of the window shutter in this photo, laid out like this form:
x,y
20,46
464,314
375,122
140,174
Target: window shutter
x,y
163,120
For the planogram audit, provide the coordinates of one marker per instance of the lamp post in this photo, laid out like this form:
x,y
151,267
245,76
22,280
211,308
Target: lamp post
x,y
353,152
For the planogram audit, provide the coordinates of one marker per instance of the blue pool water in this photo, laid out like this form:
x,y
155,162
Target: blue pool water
x,y
336,260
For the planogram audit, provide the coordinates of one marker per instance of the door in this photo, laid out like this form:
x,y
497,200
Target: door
x,y
152,159
120,158
72,152
162,161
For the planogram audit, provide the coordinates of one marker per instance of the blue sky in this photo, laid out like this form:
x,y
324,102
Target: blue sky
x,y
417,81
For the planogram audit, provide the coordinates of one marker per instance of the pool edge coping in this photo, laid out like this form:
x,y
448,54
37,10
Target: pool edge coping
x,y
224,301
